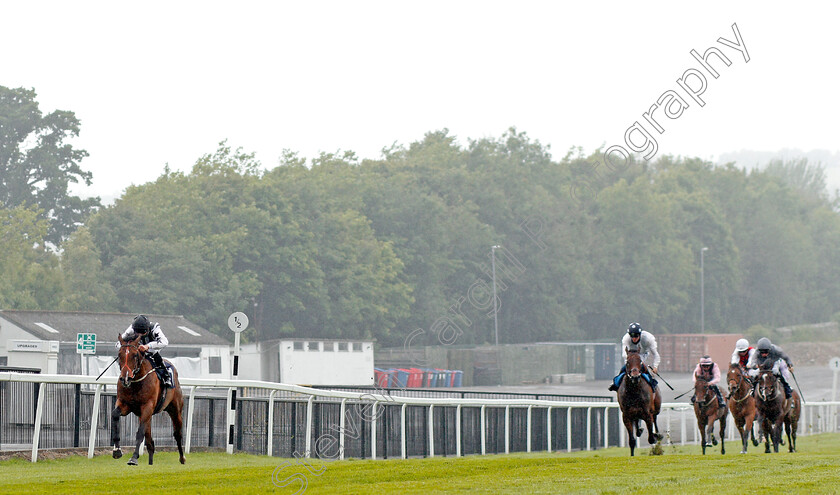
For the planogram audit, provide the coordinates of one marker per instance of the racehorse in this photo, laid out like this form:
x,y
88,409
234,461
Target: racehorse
x,y
774,410
144,396
741,404
707,411
638,402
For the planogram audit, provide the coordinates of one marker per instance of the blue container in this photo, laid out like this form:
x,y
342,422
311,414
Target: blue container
x,y
430,377
401,378
457,378
444,376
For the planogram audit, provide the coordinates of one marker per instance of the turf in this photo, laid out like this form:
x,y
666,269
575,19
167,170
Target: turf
x,y
814,469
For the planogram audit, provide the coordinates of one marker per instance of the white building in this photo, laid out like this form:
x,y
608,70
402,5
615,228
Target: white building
x,y
47,340
309,362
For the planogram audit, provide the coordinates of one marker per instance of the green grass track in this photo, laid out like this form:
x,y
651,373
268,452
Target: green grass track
x,y
814,469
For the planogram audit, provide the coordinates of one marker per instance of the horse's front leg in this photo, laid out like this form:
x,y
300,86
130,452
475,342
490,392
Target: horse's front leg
x,y
150,444
631,426
119,411
653,430
144,419
710,431
777,435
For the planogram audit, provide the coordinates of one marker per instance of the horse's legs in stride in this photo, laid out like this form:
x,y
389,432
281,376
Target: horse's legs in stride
x,y
790,428
653,430
631,426
177,423
150,444
119,411
144,419
710,431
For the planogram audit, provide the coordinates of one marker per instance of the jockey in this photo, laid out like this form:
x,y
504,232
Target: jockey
x,y
643,341
151,339
708,370
767,356
742,353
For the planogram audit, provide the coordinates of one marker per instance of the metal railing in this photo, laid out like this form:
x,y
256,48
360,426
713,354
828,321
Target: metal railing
x,y
60,411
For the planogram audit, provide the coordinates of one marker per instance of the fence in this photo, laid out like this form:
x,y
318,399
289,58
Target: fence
x,y
64,411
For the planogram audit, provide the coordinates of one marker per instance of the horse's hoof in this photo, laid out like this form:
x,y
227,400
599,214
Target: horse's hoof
x,y
132,462
117,453
183,460
714,441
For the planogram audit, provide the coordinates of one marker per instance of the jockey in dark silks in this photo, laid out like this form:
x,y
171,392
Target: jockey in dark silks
x,y
152,340
640,340
771,356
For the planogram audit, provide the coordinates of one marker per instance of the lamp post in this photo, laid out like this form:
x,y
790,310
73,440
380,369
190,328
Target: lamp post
x,y
495,305
702,294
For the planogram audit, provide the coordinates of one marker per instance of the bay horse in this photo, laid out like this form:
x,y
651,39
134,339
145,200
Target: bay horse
x,y
774,410
707,411
638,402
145,398
741,404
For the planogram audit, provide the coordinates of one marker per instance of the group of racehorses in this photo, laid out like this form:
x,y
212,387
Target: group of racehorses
x,y
758,401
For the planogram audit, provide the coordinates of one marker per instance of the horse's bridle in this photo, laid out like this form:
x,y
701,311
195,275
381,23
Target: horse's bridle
x,y
738,385
762,387
136,370
708,392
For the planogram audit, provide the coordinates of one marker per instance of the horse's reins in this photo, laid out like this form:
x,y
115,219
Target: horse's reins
x,y
766,397
709,392
136,370
747,394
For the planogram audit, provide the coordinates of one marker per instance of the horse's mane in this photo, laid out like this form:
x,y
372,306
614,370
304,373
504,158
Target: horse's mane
x,y
766,365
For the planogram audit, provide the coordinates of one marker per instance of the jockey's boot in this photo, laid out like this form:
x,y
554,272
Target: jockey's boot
x,y
721,403
616,382
788,391
693,399
167,378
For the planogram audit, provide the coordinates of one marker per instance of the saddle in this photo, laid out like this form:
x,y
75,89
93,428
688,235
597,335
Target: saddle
x,y
164,389
159,371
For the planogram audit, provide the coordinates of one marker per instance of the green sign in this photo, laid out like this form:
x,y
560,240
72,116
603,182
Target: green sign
x,y
86,343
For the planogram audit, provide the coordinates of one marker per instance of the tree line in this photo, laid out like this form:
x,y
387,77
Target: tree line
x,y
400,246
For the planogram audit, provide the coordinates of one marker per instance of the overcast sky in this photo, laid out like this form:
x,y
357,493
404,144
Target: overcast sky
x,y
164,82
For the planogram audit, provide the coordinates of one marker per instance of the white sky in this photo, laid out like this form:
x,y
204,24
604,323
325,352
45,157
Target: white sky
x,y
163,82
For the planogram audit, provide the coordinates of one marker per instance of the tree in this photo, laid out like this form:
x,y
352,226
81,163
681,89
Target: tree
x,y
37,164
85,285
29,273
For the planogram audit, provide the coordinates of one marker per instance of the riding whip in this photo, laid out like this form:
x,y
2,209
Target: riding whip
x,y
115,360
663,380
797,386
677,397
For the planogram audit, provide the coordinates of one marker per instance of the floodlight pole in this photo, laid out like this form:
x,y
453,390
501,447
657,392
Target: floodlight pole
x,y
702,294
495,304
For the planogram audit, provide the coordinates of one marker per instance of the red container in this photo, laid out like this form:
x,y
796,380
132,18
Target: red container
x,y
415,378
681,352
382,378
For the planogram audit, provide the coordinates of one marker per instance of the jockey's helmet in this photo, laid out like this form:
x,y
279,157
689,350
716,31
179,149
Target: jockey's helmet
x,y
706,361
141,324
634,330
764,344
742,345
